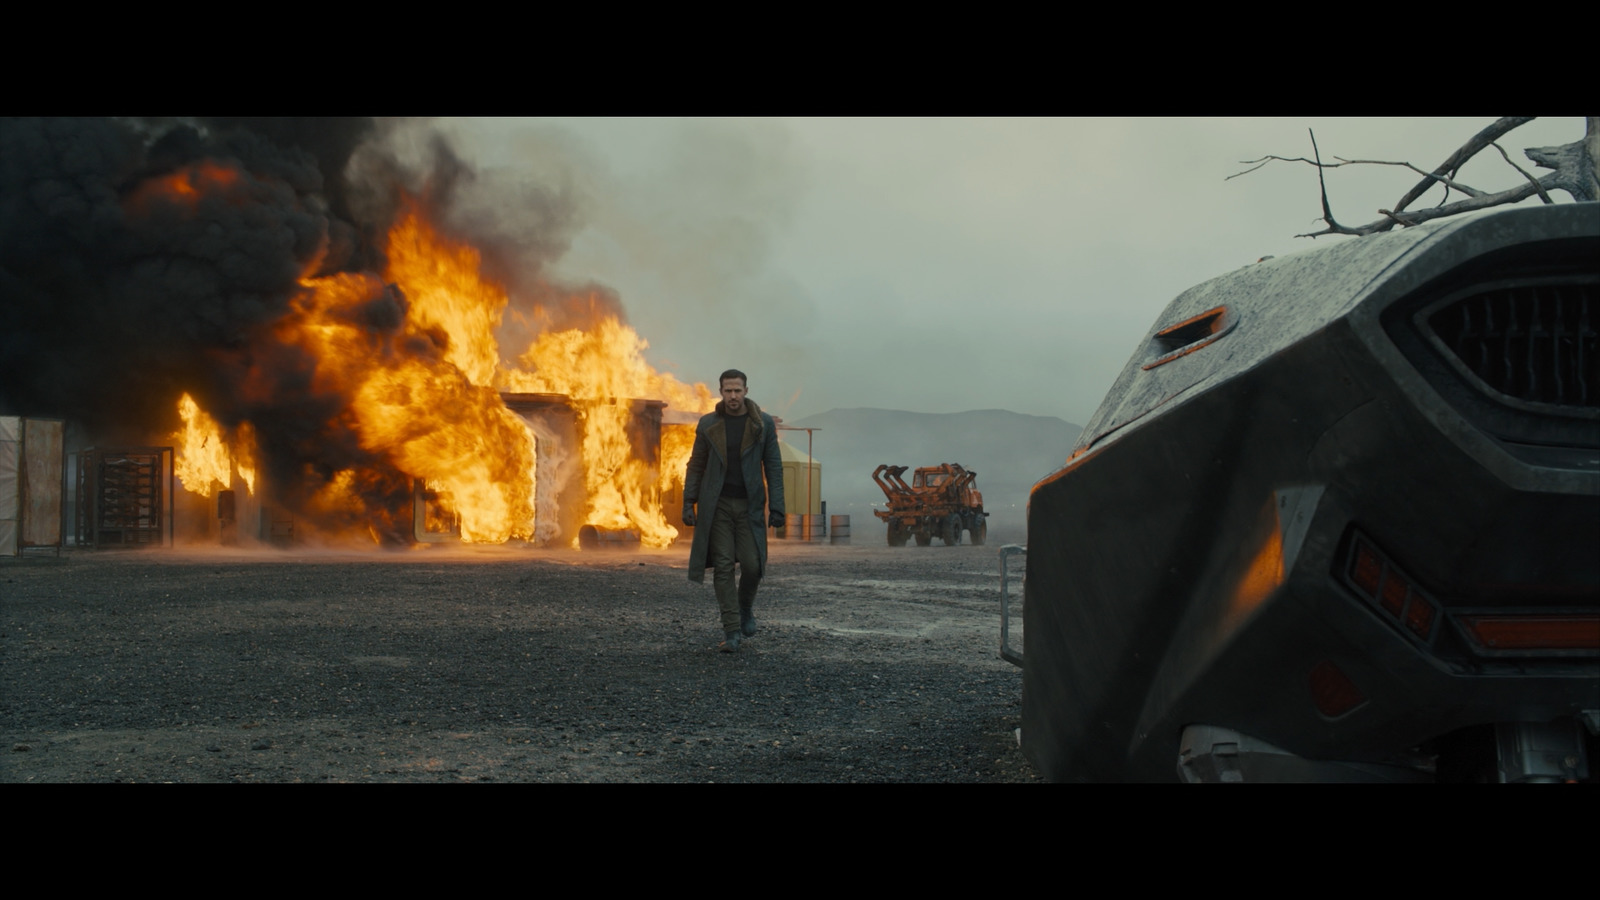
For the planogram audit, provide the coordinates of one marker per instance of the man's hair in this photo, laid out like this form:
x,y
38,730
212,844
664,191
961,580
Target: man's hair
x,y
733,373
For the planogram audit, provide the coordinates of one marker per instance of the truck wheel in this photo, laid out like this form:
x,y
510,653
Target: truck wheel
x,y
952,530
897,535
924,538
980,531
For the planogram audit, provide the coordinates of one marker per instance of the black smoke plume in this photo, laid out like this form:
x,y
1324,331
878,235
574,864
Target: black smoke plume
x,y
144,257
112,302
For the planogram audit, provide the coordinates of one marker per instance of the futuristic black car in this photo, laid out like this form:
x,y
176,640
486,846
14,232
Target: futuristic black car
x,y
1337,519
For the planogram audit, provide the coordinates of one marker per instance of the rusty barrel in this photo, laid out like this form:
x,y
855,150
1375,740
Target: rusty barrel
x,y
592,538
802,527
838,529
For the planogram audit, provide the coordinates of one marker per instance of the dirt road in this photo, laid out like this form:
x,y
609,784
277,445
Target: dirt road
x,y
504,664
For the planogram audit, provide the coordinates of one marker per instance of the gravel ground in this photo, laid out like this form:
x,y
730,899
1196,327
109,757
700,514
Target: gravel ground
x,y
873,664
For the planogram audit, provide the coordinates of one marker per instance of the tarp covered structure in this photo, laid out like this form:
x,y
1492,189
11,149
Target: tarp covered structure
x,y
802,478
32,466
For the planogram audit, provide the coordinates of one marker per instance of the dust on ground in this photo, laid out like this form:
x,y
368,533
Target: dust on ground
x,y
872,664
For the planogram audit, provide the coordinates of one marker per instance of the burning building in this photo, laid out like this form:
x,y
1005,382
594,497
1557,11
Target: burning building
x,y
334,349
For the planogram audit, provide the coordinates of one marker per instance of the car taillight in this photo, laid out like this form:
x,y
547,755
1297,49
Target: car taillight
x,y
1382,583
1534,632
1332,691
1420,615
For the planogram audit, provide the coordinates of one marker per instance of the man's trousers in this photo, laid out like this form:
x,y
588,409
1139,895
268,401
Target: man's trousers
x,y
732,541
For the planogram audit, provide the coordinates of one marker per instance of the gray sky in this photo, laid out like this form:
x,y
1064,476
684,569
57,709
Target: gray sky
x,y
941,265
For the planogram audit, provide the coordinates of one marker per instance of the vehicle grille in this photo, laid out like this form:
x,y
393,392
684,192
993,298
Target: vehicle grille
x,y
1536,343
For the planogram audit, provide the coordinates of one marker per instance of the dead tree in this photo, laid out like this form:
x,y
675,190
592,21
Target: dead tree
x,y
1575,169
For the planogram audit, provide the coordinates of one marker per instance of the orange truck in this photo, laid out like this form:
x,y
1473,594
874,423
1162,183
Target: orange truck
x,y
940,501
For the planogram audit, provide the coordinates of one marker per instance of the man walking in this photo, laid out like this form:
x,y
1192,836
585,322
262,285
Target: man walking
x,y
734,448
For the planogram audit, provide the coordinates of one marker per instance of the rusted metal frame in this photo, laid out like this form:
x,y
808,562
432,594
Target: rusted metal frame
x,y
896,474
966,479
888,491
156,518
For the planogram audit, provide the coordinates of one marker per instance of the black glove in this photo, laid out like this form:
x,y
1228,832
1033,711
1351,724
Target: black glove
x,y
775,519
688,514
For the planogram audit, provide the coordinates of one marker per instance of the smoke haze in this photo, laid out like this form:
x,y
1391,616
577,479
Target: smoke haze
x,y
141,259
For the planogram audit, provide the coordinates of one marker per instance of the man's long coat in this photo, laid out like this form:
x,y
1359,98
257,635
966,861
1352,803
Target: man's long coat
x,y
708,468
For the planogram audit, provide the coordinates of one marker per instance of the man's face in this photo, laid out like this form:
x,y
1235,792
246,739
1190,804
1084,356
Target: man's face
x,y
733,395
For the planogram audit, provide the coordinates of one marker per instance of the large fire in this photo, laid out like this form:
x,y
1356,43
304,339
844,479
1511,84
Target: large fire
x,y
423,395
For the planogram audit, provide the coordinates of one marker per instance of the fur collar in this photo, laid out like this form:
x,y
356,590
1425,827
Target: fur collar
x,y
753,432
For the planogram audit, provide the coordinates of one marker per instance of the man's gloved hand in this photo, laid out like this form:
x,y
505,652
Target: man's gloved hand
x,y
688,514
775,519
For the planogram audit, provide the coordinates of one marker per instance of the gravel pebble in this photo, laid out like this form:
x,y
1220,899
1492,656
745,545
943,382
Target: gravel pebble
x,y
451,664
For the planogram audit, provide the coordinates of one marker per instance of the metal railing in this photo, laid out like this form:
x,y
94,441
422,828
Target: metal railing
x,y
1007,652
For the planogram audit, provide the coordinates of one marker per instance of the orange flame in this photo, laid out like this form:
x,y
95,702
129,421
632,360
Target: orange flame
x,y
186,186
442,284
677,443
419,409
599,368
415,365
244,457
204,459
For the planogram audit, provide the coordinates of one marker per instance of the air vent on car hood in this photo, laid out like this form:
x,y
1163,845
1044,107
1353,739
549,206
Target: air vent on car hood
x,y
1534,342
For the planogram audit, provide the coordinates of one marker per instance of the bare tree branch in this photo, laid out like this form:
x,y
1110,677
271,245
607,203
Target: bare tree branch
x,y
1512,195
1576,170
1447,180
1327,211
1249,170
1269,158
1576,165
1543,195
1456,160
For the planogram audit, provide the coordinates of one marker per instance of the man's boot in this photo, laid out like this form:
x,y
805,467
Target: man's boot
x,y
730,642
747,619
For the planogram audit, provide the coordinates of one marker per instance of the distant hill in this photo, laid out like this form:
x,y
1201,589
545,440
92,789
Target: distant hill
x,y
1010,452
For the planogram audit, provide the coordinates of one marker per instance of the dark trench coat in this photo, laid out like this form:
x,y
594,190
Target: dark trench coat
x,y
708,468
